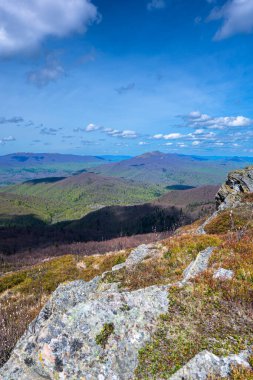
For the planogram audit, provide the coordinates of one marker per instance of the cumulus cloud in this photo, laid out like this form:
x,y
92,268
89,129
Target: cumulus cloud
x,y
198,120
237,16
124,89
156,4
24,25
170,136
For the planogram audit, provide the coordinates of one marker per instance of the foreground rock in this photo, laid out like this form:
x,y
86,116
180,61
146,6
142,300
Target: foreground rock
x,y
206,365
86,332
238,182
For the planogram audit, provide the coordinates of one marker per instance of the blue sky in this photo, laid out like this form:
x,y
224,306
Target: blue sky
x,y
88,77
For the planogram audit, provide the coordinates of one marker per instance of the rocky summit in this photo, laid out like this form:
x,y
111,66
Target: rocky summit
x,y
239,182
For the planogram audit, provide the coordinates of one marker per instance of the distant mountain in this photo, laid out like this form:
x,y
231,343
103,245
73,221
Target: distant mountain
x,y
174,169
44,158
19,167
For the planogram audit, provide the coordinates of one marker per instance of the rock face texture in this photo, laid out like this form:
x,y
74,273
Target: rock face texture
x,y
137,256
238,182
223,274
198,265
88,332
205,364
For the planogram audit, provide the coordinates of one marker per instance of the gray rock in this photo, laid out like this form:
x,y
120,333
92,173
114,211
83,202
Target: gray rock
x,y
206,364
61,342
137,256
198,265
238,182
223,274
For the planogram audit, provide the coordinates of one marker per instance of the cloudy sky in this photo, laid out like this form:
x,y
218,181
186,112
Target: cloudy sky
x,y
125,77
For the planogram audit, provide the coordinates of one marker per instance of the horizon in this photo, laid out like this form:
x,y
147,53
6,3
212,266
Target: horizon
x,y
127,78
129,156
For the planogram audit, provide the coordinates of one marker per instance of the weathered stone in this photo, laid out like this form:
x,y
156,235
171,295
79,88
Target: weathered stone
x,y
206,364
61,343
137,256
198,265
223,274
238,182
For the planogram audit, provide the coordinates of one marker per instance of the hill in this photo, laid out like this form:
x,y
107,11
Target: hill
x,y
174,169
19,167
177,309
177,208
57,198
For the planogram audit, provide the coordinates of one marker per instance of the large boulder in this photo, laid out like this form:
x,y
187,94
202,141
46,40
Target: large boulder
x,y
88,330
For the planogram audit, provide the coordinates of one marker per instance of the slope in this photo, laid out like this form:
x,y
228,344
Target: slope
x,y
71,198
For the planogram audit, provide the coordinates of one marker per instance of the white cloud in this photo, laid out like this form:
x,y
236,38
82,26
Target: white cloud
x,y
170,136
4,140
197,120
156,4
25,24
129,134
158,136
125,134
237,16
195,143
92,127
173,136
143,143
199,131
182,145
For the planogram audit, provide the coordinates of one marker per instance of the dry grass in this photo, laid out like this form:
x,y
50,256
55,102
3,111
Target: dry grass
x,y
167,268
209,314
233,220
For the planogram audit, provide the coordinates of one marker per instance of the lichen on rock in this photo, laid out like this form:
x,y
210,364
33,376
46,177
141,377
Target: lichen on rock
x,y
84,332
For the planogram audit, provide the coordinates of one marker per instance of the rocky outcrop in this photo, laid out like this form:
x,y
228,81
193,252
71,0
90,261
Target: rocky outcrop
x,y
206,365
238,182
89,330
94,330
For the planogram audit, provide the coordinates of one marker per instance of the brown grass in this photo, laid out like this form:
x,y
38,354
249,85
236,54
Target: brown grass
x,y
167,268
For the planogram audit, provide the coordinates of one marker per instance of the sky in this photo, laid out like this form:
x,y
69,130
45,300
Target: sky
x,y
126,77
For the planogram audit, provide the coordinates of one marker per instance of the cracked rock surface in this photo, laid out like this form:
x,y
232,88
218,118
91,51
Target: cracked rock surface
x,y
62,342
